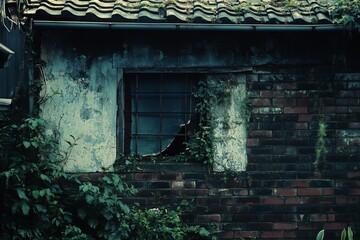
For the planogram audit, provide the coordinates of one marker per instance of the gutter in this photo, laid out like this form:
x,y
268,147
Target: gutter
x,y
185,26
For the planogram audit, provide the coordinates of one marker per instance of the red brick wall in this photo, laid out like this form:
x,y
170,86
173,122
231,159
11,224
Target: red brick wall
x,y
280,196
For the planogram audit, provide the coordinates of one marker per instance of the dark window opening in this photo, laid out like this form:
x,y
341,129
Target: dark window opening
x,y
159,113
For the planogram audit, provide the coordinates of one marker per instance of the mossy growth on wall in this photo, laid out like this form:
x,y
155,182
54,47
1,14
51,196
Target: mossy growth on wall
x,y
221,140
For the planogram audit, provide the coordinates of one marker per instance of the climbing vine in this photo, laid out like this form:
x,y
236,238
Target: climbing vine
x,y
320,148
42,201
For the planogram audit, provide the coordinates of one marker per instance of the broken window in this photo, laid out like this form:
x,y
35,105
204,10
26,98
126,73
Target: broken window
x,y
158,113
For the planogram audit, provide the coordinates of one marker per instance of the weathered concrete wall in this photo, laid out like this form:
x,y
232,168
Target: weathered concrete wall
x,y
86,66
230,124
81,104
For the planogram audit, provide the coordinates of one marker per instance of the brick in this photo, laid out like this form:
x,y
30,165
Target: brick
x,y
305,117
334,226
252,142
169,176
318,217
202,192
241,192
249,200
252,78
220,192
295,94
355,174
260,102
266,110
229,201
209,218
328,191
273,234
295,110
284,86
246,217
260,226
309,192
272,217
266,94
273,201
355,192
153,185
284,102
285,226
320,183
284,192
291,234
261,133
297,184
246,234
191,176
301,126
285,209
341,200
296,201
227,235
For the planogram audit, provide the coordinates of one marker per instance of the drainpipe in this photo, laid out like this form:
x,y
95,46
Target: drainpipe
x,y
185,26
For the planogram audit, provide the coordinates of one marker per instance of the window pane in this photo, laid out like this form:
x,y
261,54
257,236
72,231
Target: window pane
x,y
146,103
174,83
147,83
148,124
166,141
173,103
160,106
172,124
148,145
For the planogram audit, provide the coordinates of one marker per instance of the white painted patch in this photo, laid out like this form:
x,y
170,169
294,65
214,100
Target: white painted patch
x,y
230,131
85,110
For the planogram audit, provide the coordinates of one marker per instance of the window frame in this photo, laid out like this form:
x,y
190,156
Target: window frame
x,y
123,141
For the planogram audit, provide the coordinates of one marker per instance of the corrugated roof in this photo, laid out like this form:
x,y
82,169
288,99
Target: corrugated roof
x,y
182,11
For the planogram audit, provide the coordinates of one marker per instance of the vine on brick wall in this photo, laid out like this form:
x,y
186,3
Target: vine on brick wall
x,y
42,201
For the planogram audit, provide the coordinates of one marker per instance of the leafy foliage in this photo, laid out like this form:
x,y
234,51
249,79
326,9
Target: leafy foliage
x,y
320,148
349,235
163,224
41,201
201,147
346,12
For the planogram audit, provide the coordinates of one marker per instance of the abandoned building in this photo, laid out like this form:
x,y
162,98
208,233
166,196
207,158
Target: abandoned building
x,y
282,104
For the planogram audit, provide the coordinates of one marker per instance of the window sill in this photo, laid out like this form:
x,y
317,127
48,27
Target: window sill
x,y
166,167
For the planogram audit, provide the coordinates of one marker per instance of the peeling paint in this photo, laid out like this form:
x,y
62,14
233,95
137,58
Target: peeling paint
x,y
229,144
86,108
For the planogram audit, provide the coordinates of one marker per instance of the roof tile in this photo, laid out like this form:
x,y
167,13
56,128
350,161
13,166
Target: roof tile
x,y
181,11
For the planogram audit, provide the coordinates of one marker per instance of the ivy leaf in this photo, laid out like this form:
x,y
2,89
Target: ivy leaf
x,y
36,194
40,208
35,144
92,222
350,234
26,144
25,208
107,180
108,215
21,193
203,232
45,178
343,234
320,235
89,199
124,207
116,179
82,213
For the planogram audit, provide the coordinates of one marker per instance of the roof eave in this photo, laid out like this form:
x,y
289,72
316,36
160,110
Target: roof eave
x,y
185,26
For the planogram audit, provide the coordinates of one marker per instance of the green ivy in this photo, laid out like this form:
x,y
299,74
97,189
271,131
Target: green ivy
x,y
41,201
345,12
320,148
